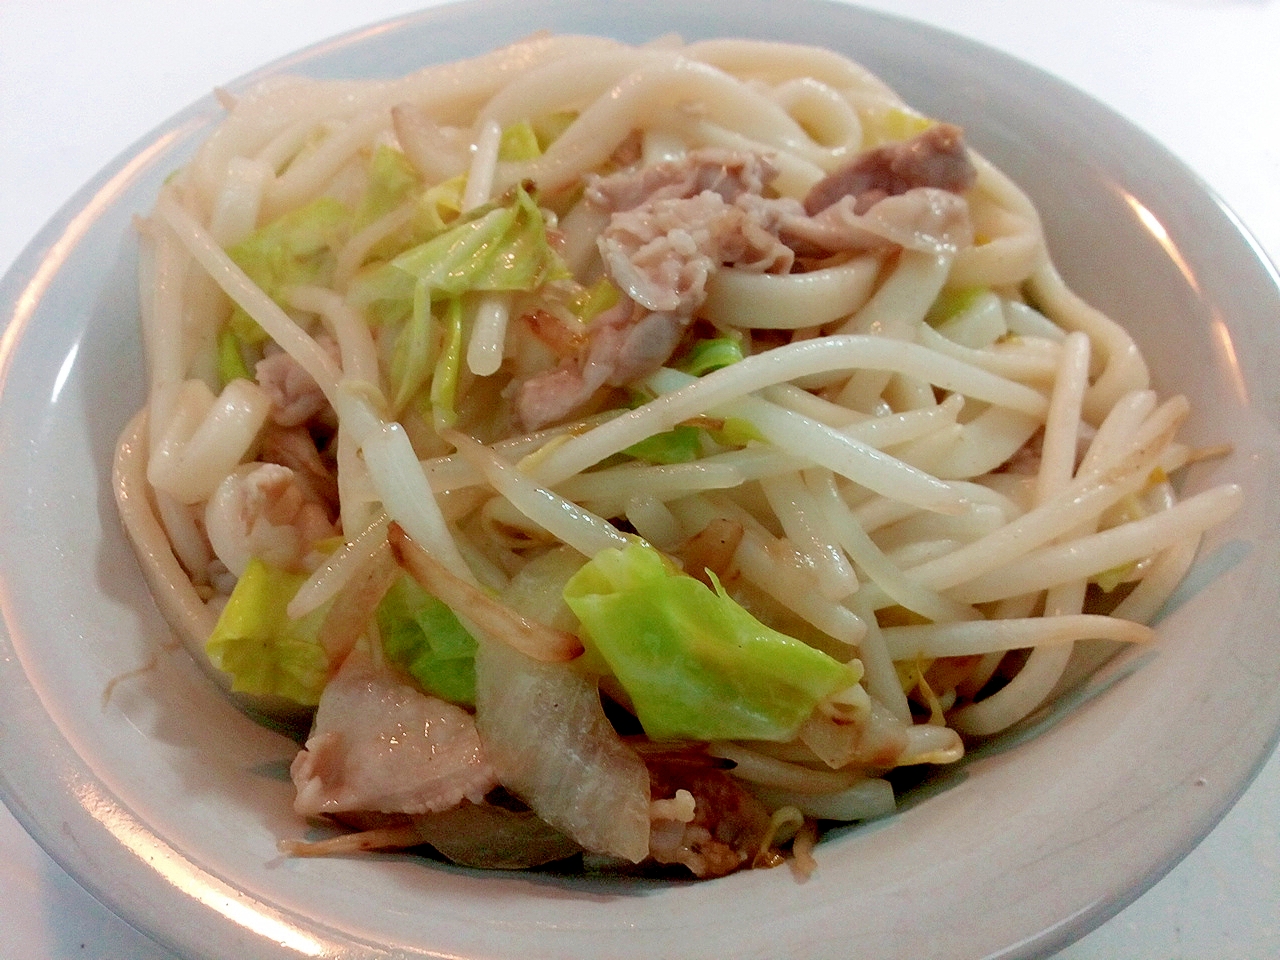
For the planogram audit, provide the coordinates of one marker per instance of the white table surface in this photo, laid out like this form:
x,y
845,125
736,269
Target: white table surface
x,y
80,80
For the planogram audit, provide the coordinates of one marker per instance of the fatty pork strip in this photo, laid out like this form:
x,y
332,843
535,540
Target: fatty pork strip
x,y
673,224
379,744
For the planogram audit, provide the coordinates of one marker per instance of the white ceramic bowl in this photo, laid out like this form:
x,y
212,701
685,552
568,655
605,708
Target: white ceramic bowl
x,y
142,780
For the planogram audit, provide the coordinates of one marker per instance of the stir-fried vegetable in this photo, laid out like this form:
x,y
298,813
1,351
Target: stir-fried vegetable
x,y
422,635
260,647
695,663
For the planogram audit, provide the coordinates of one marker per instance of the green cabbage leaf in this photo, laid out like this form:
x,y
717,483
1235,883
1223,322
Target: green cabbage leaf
x,y
296,249
501,247
260,647
695,664
424,637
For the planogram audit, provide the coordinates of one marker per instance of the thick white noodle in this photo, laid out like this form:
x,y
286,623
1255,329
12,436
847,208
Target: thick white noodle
x,y
396,474
565,520
1088,556
1084,499
641,96
773,567
1061,427
189,543
776,62
813,442
307,177
1162,578
355,342
796,509
775,366
235,215
570,83
654,522
207,437
822,110
841,523
791,397
789,301
964,450
163,266
895,311
987,636
1030,361
1124,369
1063,601
174,593
879,673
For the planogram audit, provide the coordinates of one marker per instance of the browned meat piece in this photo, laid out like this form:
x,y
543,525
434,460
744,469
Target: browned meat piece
x,y
550,397
674,224
936,158
728,825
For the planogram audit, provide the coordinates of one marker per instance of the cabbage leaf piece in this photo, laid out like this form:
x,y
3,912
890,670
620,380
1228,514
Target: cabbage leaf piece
x,y
392,181
439,207
423,636
678,445
504,249
231,365
295,249
519,142
893,125
444,381
500,247
587,303
712,354
412,358
695,663
952,303
263,650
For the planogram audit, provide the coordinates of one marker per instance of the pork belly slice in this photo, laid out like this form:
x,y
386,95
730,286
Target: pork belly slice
x,y
379,744
936,158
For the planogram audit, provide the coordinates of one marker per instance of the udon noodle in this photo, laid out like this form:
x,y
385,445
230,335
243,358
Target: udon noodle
x,y
625,455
